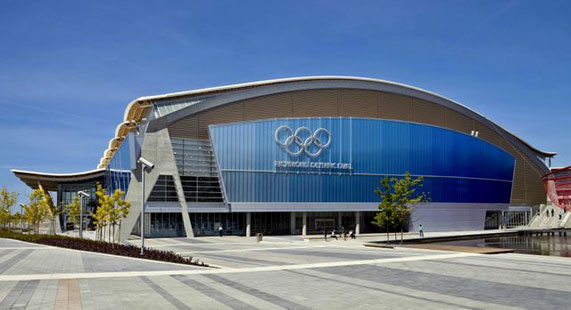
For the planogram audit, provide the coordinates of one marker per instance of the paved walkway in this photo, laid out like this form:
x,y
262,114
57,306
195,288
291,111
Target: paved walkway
x,y
279,273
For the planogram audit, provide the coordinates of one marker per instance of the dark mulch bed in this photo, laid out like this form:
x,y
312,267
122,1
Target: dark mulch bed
x,y
101,247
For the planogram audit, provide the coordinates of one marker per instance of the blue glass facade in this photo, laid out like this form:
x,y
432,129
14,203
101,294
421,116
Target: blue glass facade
x,y
353,154
118,174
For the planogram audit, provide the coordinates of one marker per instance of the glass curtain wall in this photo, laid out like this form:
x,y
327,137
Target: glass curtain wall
x,y
197,170
207,224
118,174
270,223
65,195
166,225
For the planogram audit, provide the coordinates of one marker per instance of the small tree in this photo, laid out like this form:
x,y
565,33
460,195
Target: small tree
x,y
36,211
386,217
102,214
111,210
16,219
119,209
52,213
399,195
7,201
73,210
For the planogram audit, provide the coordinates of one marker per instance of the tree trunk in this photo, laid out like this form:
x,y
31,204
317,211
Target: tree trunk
x,y
387,223
401,231
119,239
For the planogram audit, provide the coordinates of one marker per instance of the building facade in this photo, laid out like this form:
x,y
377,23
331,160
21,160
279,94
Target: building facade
x,y
301,155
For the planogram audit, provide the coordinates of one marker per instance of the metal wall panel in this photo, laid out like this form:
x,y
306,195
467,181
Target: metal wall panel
x,y
230,113
185,128
457,167
268,107
361,103
392,106
315,103
342,102
486,133
428,113
457,121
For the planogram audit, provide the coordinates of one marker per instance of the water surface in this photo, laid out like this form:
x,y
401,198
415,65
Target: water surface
x,y
539,245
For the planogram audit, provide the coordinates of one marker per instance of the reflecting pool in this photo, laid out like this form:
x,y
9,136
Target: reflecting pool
x,y
539,245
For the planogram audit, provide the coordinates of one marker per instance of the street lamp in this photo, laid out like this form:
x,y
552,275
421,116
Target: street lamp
x,y
82,195
146,166
21,216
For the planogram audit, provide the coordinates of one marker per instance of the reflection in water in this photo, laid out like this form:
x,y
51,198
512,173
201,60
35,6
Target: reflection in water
x,y
539,245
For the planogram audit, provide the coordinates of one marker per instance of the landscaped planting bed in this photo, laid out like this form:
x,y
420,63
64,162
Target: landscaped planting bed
x,y
101,247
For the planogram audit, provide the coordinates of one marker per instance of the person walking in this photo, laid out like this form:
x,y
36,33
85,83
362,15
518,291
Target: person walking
x,y
325,234
352,235
333,235
220,230
421,230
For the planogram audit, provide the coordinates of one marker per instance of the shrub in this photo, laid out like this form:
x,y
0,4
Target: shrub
x,y
101,247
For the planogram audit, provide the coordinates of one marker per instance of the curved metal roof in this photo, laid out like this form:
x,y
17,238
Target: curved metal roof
x,y
50,180
139,108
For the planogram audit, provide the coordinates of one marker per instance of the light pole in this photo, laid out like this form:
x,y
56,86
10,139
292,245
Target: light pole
x,y
82,195
21,217
146,166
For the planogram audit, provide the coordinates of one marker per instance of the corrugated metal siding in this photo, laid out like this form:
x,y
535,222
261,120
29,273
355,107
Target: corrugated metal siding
x,y
457,121
534,187
391,106
428,113
518,191
315,103
228,114
268,107
459,167
185,128
361,103
486,133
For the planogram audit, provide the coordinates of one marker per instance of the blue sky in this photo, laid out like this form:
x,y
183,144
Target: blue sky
x,y
69,68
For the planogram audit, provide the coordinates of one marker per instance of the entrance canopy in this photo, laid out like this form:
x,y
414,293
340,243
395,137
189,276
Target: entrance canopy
x,y
50,181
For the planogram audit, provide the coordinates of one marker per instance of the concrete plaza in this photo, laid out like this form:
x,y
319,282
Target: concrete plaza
x,y
279,273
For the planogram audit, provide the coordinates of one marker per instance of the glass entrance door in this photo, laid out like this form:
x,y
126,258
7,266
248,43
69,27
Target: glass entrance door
x,y
325,224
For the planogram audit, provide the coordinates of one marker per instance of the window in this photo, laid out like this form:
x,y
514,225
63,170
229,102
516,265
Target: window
x,y
164,189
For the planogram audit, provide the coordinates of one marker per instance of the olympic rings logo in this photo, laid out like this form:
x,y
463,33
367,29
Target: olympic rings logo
x,y
311,143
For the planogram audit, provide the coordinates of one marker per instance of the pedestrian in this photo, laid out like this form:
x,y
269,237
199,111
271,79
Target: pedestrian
x,y
333,235
325,234
421,230
352,235
220,230
551,212
345,236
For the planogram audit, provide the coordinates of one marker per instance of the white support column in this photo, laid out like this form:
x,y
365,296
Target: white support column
x,y
304,223
248,224
357,223
292,223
